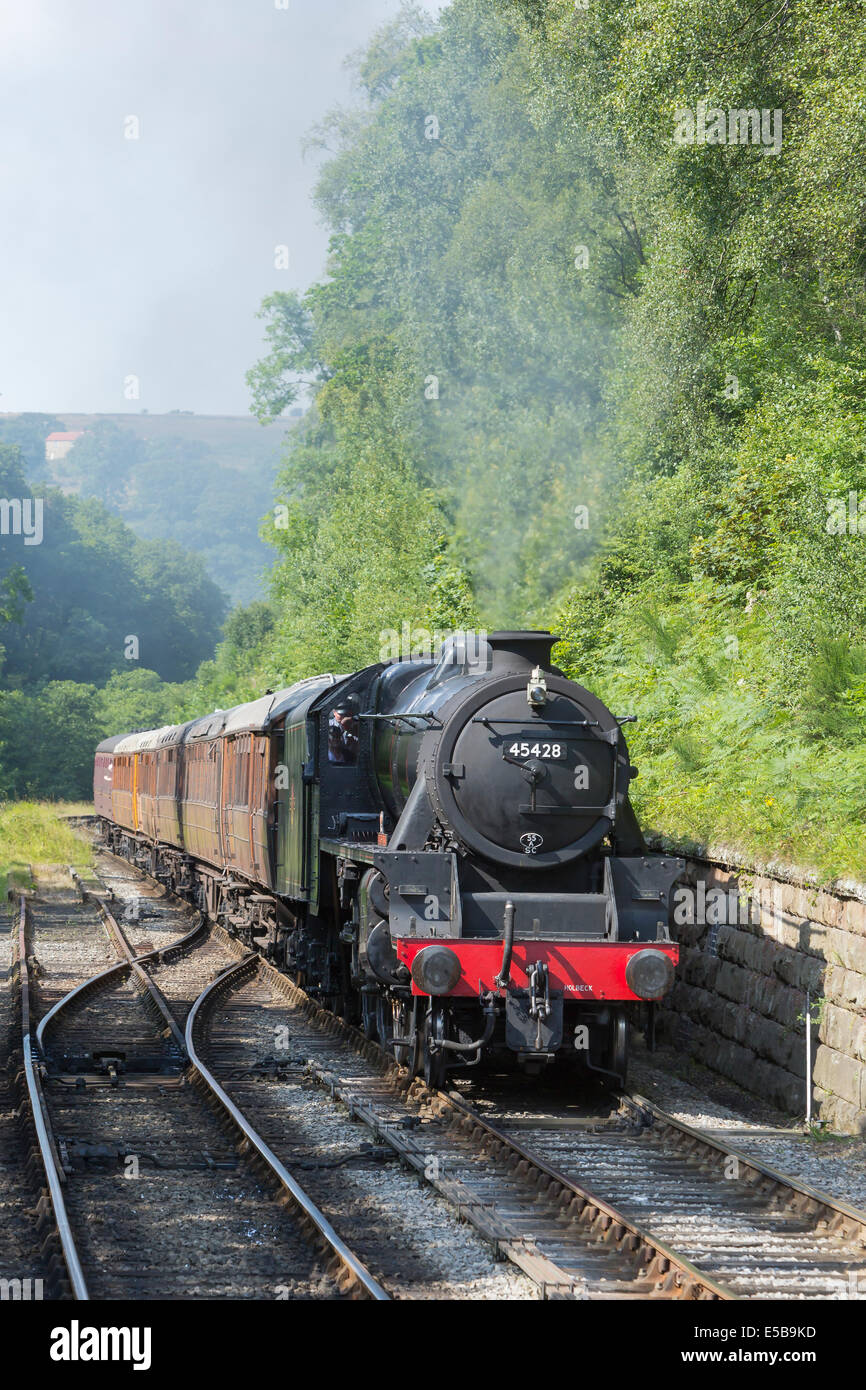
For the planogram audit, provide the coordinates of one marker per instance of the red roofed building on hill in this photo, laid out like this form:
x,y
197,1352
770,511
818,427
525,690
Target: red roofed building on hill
x,y
57,445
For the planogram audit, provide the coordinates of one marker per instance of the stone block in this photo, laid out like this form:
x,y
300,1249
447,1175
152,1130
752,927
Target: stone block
x,y
844,1031
798,970
838,1114
846,988
854,917
846,948
843,1076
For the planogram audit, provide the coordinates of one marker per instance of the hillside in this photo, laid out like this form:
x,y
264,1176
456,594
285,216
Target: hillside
x,y
203,481
236,441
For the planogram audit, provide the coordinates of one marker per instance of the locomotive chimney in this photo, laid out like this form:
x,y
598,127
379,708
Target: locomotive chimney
x,y
520,651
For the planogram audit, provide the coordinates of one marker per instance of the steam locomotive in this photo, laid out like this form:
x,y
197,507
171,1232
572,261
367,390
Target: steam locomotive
x,y
442,850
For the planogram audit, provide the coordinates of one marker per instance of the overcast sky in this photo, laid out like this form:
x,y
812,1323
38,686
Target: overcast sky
x,y
148,257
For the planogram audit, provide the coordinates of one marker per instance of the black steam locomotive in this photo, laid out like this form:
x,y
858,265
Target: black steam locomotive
x,y
443,849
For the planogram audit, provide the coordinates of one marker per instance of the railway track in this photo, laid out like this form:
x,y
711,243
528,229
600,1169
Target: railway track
x,y
757,1231
634,1203
31,1265
69,1277
430,1255
570,1244
628,1203
416,1247
157,1189
404,1234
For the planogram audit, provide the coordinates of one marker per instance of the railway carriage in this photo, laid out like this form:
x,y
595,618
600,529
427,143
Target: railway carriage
x,y
443,850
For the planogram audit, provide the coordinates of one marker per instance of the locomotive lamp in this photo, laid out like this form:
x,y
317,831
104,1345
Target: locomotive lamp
x,y
536,690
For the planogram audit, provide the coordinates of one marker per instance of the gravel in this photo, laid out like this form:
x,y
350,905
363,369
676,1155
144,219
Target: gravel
x,y
408,1236
832,1163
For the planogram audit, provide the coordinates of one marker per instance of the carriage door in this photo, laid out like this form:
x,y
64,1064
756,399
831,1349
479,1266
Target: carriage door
x,y
227,779
293,814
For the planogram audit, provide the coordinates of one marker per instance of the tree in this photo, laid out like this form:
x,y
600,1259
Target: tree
x,y
15,591
133,700
291,364
29,432
106,462
605,377
47,740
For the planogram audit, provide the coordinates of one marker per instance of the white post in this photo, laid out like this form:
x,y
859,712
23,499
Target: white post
x,y
808,1061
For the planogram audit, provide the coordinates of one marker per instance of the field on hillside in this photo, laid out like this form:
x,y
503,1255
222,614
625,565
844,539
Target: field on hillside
x,y
237,441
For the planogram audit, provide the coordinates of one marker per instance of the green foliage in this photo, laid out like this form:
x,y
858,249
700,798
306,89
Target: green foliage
x,y
68,609
835,697
134,700
13,482
106,461
94,584
28,433
454,403
373,558
240,669
277,381
697,386
15,592
35,833
47,740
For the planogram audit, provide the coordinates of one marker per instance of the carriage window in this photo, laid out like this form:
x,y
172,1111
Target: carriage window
x,y
242,771
343,737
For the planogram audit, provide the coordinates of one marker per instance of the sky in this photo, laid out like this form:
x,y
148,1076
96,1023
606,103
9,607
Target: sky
x,y
131,269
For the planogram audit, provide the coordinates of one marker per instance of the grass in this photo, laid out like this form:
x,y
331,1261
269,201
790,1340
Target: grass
x,y
732,751
805,808
33,832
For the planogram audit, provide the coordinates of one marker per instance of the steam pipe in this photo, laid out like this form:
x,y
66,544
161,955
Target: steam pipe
x,y
490,1024
504,976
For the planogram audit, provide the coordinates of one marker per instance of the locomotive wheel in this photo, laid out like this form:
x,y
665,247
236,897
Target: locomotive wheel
x,y
383,1019
406,1021
435,1030
618,1054
370,1015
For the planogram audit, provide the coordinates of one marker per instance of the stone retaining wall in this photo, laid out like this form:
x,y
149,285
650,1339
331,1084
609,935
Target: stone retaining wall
x,y
739,1002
